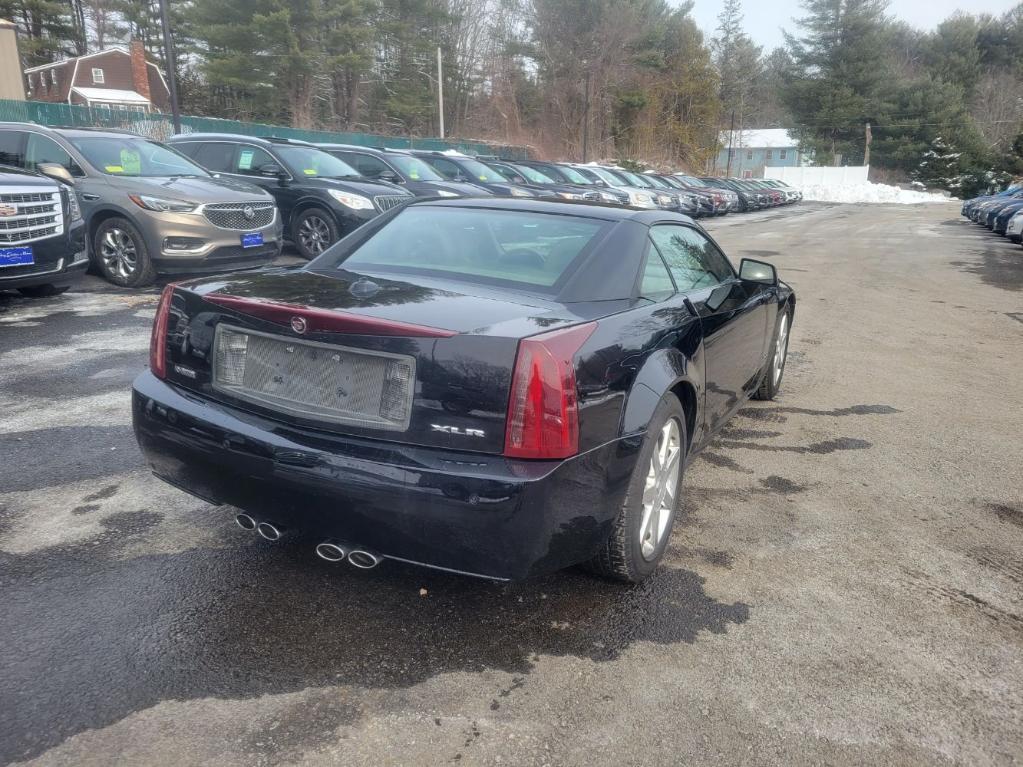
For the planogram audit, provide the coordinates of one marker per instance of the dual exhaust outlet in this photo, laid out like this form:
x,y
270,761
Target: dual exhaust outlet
x,y
331,551
334,551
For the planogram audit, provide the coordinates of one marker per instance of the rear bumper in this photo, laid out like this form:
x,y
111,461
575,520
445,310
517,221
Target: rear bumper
x,y
466,512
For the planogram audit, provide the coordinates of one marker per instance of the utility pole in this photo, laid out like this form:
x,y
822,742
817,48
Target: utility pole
x,y
440,92
866,152
586,115
731,142
172,77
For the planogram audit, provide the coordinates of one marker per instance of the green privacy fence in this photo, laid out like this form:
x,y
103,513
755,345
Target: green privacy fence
x,y
160,126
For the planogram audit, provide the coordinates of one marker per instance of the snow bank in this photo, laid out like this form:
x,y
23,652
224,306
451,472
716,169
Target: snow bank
x,y
867,192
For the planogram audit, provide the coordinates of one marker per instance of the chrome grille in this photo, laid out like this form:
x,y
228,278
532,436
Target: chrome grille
x,y
27,236
24,223
232,215
314,380
27,197
388,201
591,196
30,222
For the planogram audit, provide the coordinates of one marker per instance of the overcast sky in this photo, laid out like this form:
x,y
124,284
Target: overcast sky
x,y
764,19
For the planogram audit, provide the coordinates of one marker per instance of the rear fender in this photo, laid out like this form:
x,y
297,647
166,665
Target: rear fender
x,y
662,372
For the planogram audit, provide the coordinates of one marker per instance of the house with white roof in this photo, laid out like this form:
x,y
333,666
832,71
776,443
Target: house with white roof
x,y
745,153
118,77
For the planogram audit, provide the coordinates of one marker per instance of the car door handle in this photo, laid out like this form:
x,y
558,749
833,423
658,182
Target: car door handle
x,y
89,196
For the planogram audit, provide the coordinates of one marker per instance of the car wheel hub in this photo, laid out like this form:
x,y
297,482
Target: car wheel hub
x,y
117,250
781,347
661,488
314,234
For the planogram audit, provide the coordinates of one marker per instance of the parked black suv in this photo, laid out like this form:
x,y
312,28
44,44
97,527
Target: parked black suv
x,y
320,198
400,167
42,236
455,166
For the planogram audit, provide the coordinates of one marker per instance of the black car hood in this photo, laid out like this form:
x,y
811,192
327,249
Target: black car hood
x,y
359,185
15,176
431,188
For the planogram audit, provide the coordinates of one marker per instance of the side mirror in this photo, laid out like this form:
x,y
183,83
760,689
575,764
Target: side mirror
x,y
390,175
271,170
758,271
56,172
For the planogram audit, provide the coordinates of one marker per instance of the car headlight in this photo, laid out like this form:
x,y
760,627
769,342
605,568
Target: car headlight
x,y
446,193
516,192
640,199
665,200
162,205
73,207
353,201
570,196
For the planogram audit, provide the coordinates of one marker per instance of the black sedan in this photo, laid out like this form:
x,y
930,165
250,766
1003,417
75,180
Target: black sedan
x,y
489,386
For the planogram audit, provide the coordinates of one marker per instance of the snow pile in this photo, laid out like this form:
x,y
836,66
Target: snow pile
x,y
867,192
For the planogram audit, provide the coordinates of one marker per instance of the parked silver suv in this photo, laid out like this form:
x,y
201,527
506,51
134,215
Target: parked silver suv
x,y
149,209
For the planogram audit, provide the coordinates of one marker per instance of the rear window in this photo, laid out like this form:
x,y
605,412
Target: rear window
x,y
516,248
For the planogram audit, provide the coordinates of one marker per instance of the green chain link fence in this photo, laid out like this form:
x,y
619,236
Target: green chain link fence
x,y
160,126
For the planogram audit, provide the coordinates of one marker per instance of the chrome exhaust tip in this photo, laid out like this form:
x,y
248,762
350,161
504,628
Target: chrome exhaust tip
x,y
245,522
268,531
364,560
331,551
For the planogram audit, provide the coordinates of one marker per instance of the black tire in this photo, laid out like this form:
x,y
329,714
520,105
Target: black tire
x,y
623,557
120,254
313,231
770,383
42,291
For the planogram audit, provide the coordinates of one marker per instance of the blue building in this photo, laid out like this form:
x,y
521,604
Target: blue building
x,y
752,150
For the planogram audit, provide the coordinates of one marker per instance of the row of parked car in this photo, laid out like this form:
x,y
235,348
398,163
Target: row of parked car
x,y
206,203
1002,212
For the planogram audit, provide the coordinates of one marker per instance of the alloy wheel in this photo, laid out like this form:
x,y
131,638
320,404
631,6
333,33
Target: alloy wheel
x,y
661,488
118,253
314,234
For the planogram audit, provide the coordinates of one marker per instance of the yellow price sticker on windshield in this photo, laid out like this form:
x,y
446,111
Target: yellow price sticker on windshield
x,y
309,171
414,175
114,169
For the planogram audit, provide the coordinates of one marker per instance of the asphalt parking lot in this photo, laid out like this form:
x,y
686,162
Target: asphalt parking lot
x,y
846,585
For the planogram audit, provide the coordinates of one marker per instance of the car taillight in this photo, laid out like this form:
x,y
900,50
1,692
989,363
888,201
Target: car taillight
x,y
543,410
158,341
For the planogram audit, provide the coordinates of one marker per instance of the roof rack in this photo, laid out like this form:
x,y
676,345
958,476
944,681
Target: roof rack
x,y
93,128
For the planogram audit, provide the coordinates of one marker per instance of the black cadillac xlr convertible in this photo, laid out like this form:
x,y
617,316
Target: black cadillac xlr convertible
x,y
496,387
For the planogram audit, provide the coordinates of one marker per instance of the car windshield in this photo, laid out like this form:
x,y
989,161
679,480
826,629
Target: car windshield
x,y
310,161
133,156
478,170
521,249
634,178
533,175
691,181
573,175
653,181
607,176
414,168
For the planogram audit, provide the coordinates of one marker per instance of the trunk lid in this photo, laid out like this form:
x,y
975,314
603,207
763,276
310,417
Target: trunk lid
x,y
415,362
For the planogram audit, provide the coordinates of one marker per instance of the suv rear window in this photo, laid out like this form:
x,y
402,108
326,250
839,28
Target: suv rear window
x,y
516,248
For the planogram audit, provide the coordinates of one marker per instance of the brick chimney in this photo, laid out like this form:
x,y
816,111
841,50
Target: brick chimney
x,y
139,70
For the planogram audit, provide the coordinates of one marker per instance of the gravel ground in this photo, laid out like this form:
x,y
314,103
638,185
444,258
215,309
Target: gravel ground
x,y
846,585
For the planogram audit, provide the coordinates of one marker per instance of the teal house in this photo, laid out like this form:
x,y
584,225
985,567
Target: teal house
x,y
746,153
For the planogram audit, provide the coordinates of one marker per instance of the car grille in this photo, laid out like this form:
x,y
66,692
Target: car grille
x,y
30,222
232,215
591,196
388,201
313,380
27,197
